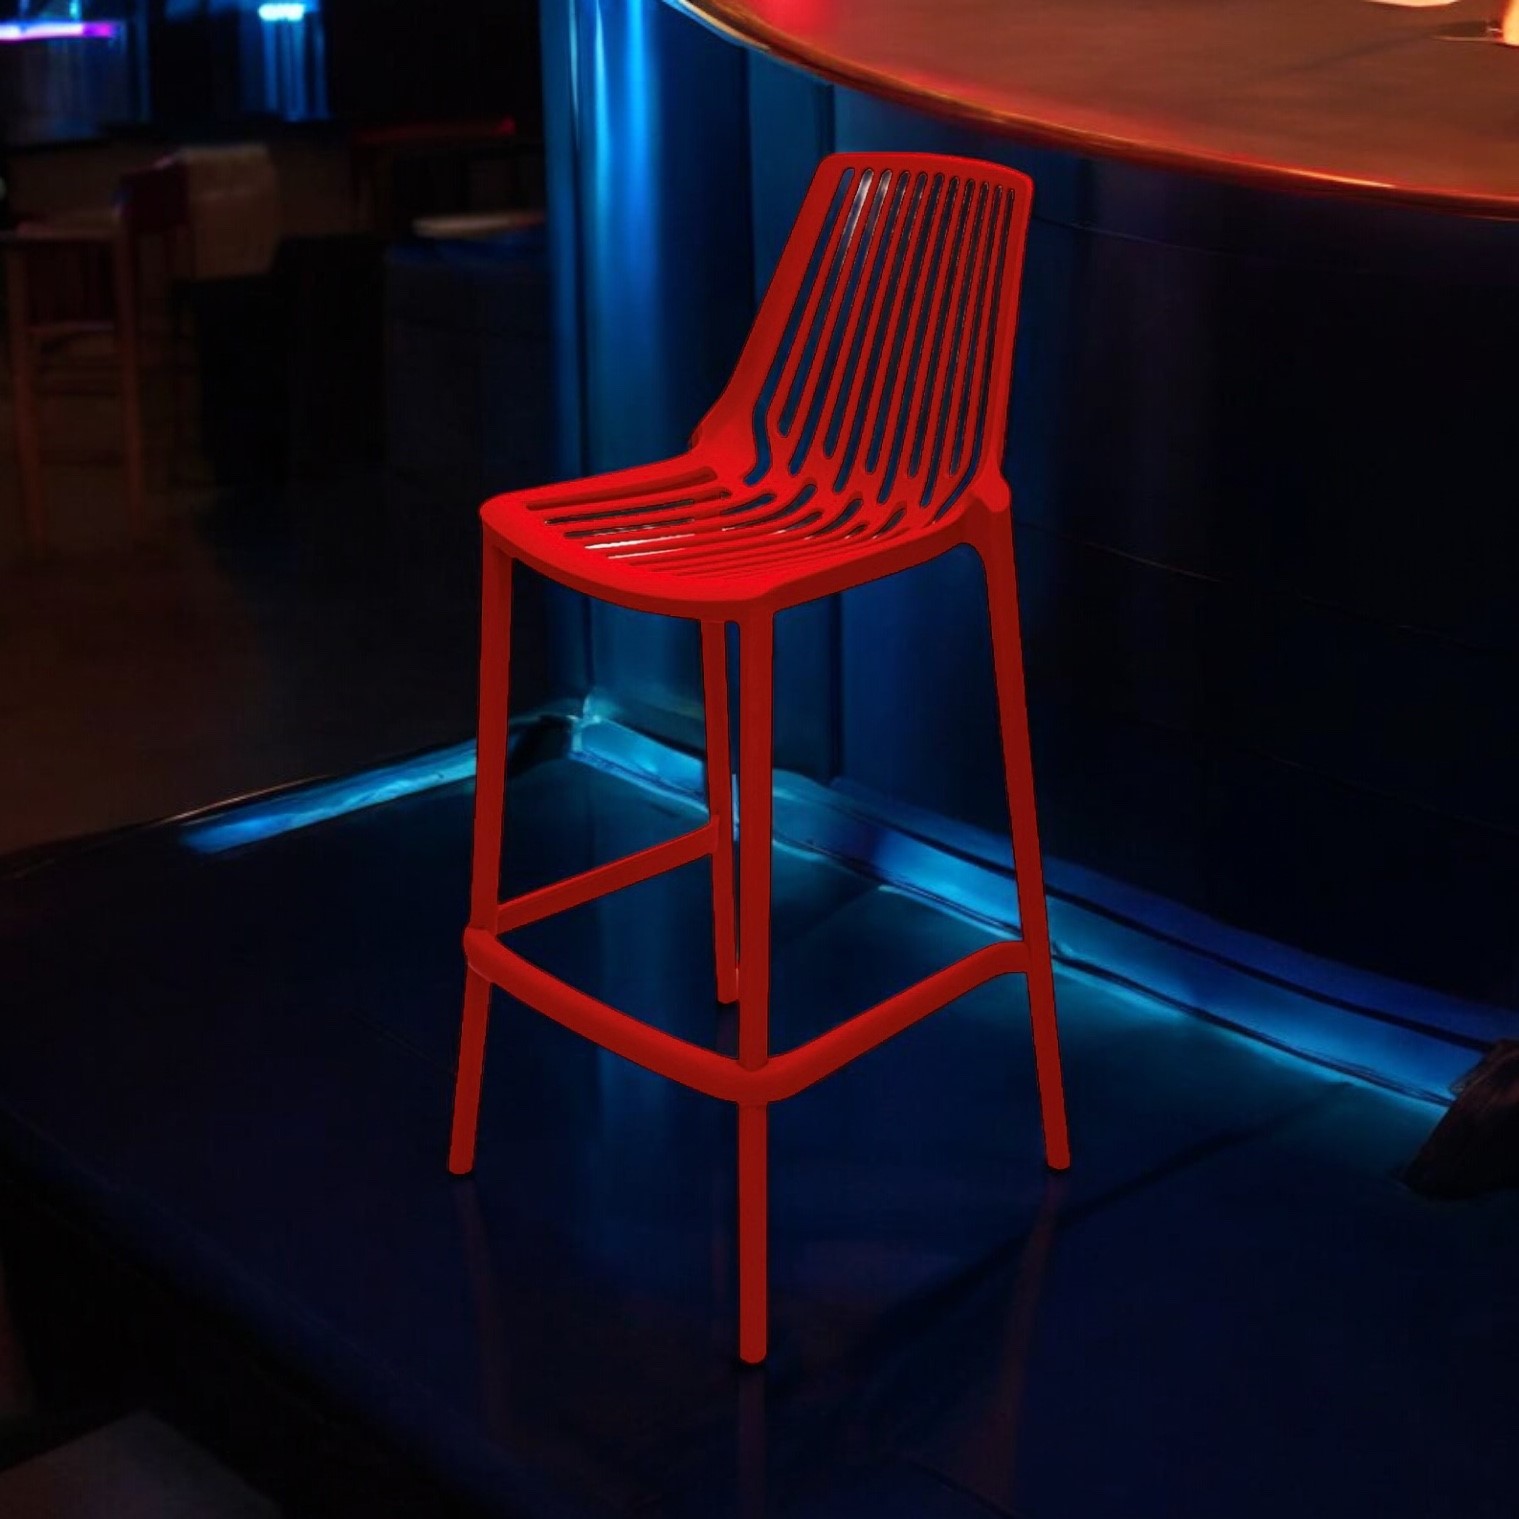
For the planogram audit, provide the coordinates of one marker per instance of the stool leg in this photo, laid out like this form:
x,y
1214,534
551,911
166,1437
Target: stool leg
x,y
1002,592
756,722
485,881
753,1232
23,365
714,664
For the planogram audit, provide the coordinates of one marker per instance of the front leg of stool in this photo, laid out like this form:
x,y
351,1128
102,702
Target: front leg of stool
x,y
996,546
756,725
490,807
714,664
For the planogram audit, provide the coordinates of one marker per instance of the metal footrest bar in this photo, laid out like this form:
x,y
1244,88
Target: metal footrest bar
x,y
533,906
721,1076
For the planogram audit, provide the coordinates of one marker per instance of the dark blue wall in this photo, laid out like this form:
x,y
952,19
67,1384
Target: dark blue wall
x,y
1260,456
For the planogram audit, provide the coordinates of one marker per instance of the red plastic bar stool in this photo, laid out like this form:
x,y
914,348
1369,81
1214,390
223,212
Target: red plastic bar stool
x,y
861,434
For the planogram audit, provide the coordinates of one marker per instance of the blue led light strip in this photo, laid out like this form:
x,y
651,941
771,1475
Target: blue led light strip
x,y
1158,954
253,822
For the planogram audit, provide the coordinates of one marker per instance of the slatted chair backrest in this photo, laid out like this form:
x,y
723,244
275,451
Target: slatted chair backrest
x,y
880,363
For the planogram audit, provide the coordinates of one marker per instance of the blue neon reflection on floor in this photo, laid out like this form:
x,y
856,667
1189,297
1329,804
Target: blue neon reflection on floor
x,y
1284,1017
1291,1023
254,822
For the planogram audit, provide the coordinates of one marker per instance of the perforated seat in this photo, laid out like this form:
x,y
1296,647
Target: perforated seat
x,y
697,539
861,434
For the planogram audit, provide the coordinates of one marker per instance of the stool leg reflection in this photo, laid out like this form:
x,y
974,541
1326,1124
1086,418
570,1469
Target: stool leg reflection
x,y
999,1450
977,1442
490,1313
753,1445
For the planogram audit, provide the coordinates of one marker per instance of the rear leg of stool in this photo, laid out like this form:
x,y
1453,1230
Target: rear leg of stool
x,y
756,723
714,665
1002,592
27,421
485,879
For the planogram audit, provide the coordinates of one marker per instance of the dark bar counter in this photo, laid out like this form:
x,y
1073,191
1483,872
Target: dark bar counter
x,y
1259,458
1367,100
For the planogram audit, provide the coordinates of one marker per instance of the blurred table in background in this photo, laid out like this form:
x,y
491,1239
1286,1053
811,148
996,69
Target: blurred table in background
x,y
64,281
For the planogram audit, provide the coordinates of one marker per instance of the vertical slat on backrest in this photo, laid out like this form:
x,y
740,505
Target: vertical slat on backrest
x,y
852,376
951,355
960,355
883,348
986,404
925,298
827,367
983,329
801,302
910,299
947,282
802,362
870,393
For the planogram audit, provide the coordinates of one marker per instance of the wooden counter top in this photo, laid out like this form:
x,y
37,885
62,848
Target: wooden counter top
x,y
1344,96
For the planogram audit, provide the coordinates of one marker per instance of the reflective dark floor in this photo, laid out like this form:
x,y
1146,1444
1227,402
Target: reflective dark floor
x,y
238,1068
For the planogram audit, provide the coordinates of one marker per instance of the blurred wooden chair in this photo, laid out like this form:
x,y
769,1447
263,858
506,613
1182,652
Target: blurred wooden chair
x,y
401,173
78,277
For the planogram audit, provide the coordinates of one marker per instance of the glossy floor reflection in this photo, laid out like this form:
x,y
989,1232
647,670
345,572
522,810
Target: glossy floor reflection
x,y
238,1066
